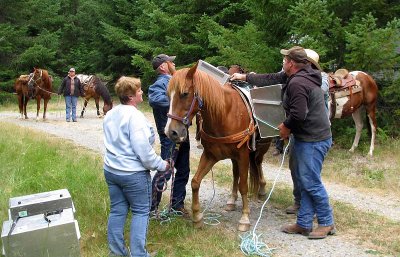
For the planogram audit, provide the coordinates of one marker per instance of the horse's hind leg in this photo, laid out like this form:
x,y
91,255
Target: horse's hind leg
x,y
243,161
231,203
84,107
359,125
204,167
24,104
373,124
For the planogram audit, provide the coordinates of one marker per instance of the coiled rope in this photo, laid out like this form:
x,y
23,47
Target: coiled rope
x,y
251,242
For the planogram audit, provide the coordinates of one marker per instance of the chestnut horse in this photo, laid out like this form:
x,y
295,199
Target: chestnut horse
x,y
22,91
40,82
226,128
94,88
357,103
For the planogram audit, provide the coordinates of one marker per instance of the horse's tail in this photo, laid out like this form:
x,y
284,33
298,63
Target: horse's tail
x,y
254,179
102,91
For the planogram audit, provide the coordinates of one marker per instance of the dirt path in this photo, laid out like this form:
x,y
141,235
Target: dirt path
x,y
87,132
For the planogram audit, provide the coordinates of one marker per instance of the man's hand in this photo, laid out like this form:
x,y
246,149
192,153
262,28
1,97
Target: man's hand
x,y
284,132
238,76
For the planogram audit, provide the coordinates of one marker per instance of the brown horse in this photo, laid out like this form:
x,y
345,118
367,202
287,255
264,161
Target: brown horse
x,y
22,91
356,102
40,82
94,88
226,128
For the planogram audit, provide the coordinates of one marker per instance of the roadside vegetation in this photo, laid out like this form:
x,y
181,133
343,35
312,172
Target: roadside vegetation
x,y
33,162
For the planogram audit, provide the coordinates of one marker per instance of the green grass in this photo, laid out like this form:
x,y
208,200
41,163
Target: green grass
x,y
34,162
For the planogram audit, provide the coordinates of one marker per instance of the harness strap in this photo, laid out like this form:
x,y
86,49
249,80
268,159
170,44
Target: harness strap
x,y
241,137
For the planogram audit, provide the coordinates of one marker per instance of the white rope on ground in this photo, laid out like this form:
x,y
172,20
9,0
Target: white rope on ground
x,y
251,243
211,218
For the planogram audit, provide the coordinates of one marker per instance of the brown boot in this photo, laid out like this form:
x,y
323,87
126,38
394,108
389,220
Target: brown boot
x,y
292,209
295,229
322,231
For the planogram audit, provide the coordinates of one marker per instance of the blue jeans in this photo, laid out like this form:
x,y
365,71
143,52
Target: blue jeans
x,y
181,163
134,192
70,103
309,157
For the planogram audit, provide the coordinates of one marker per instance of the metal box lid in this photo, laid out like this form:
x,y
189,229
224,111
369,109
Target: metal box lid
x,y
213,71
267,109
40,203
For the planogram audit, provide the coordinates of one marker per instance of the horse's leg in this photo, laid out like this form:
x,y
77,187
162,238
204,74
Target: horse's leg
x,y
20,106
243,162
84,107
231,203
359,125
24,104
38,99
256,159
204,167
373,124
45,101
96,100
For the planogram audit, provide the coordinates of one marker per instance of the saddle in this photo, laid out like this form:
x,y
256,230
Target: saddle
x,y
342,84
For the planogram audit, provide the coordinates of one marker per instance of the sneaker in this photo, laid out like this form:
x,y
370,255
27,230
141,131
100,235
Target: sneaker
x,y
322,231
68,121
295,229
75,121
292,209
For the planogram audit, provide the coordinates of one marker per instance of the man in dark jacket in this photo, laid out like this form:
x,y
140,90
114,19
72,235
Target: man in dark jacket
x,y
159,101
71,88
303,102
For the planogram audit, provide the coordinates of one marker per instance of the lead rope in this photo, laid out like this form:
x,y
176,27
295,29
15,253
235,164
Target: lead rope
x,y
251,242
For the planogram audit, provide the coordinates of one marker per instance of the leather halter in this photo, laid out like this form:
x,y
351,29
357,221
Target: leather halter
x,y
185,120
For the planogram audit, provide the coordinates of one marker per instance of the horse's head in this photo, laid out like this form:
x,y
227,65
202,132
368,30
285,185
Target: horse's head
x,y
35,77
184,104
107,107
236,68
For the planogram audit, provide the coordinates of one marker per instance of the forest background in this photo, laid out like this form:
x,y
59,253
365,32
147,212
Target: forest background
x,y
111,38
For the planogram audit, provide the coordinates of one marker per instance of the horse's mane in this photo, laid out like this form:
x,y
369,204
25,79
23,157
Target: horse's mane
x,y
102,90
210,91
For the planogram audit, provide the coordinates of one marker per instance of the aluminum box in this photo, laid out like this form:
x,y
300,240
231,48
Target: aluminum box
x,y
267,109
56,236
40,203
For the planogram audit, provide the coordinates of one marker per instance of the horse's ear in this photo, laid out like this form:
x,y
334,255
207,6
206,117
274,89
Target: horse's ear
x,y
192,71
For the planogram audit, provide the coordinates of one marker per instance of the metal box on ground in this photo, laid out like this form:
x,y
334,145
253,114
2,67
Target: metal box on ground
x,y
40,203
41,225
267,109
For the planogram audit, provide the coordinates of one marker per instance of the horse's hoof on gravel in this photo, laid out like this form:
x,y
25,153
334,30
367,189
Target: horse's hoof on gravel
x,y
230,207
244,227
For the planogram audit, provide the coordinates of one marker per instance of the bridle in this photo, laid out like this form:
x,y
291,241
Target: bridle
x,y
32,81
185,119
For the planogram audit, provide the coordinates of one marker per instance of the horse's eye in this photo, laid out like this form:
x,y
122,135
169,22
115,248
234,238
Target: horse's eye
x,y
185,94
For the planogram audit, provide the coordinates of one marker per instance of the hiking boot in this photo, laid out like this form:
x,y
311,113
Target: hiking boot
x,y
181,211
295,229
292,209
322,231
276,152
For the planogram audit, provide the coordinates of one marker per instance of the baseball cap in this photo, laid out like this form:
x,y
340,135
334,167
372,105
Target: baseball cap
x,y
296,53
72,70
160,59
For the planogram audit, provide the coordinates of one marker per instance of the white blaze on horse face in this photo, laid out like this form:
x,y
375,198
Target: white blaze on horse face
x,y
166,129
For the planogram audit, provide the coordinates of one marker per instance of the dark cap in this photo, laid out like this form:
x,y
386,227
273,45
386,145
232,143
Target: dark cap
x,y
296,53
160,59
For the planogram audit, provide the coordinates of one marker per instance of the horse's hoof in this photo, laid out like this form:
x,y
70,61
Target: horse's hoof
x,y
262,197
230,207
244,227
198,225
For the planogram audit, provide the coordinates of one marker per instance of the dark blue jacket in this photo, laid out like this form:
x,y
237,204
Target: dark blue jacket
x,y
65,87
158,91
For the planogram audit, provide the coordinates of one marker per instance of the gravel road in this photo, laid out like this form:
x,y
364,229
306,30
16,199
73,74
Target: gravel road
x,y
87,132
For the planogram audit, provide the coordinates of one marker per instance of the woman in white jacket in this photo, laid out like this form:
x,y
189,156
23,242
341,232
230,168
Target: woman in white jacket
x,y
128,159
